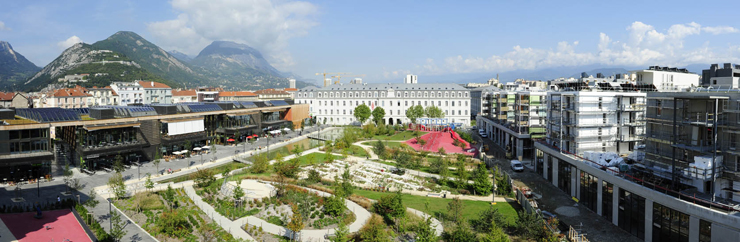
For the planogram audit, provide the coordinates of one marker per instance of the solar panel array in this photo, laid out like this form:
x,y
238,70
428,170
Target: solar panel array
x,y
279,103
204,108
45,115
248,104
131,111
81,111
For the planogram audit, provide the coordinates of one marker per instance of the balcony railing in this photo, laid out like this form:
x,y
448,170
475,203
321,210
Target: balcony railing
x,y
703,118
632,107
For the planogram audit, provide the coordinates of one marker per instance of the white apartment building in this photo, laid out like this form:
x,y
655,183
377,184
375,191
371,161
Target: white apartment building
x,y
155,92
599,121
335,104
103,96
666,78
128,92
410,79
184,96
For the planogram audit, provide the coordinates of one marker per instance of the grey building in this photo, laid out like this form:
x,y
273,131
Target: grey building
x,y
726,77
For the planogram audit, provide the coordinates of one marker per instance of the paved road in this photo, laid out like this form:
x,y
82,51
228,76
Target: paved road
x,y
49,191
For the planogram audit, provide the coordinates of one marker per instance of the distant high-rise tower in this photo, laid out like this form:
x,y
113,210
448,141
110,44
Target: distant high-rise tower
x,y
410,79
292,82
356,81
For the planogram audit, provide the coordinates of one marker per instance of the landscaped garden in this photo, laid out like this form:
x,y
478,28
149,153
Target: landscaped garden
x,y
170,215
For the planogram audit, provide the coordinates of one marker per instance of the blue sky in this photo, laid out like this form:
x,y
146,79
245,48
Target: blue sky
x,y
387,39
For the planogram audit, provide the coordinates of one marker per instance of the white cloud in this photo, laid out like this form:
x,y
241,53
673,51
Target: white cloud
x,y
265,25
69,42
644,45
720,30
3,27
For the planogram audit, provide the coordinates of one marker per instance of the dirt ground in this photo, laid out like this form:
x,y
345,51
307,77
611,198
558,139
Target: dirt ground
x,y
595,227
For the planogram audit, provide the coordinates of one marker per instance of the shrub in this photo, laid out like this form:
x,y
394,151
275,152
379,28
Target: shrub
x,y
204,177
173,224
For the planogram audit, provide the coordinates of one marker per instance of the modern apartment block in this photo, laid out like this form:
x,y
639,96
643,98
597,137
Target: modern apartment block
x,y
600,121
479,100
513,119
688,136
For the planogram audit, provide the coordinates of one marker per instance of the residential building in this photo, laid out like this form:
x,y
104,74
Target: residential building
x,y
128,93
410,79
479,100
273,94
103,96
77,97
666,78
208,94
513,119
156,93
21,100
184,96
335,104
237,96
6,99
74,78
291,91
721,78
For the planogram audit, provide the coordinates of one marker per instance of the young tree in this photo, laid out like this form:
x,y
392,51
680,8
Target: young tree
x,y
341,234
390,206
434,112
462,175
462,232
68,176
149,184
455,209
421,141
441,151
488,219
296,222
375,230
379,149
378,115
414,113
328,156
91,201
346,183
158,157
238,193
362,113
482,184
116,185
496,234
117,231
204,177
313,176
260,164
118,163
297,150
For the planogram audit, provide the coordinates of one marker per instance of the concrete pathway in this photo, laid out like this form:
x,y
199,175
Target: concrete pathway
x,y
233,227
436,225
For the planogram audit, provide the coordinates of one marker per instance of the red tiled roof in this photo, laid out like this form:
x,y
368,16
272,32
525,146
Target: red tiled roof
x,y
183,93
71,92
291,89
236,94
151,84
6,96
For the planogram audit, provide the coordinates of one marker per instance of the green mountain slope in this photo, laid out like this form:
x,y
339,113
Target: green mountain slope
x,y
14,67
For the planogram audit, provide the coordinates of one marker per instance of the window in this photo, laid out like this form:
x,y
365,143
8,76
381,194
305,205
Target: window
x,y
447,103
413,95
466,95
362,94
705,231
589,190
343,94
406,103
669,224
607,194
632,213
406,94
439,103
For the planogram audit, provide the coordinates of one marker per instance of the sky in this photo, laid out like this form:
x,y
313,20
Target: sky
x,y
385,40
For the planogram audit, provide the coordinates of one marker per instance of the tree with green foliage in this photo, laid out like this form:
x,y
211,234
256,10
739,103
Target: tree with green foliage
x,y
169,195
346,183
420,141
91,201
149,184
67,176
297,150
118,163
455,210
238,192
441,152
362,113
424,230
260,164
496,234
482,184
488,219
341,233
204,177
116,185
378,115
117,231
462,175
414,113
461,232
529,225
434,112
287,169
334,205
313,176
328,156
375,230
188,146
390,206
296,222
379,149
403,159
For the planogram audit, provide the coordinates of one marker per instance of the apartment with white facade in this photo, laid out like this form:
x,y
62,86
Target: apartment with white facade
x,y
103,96
335,104
77,97
156,93
184,96
128,93
666,78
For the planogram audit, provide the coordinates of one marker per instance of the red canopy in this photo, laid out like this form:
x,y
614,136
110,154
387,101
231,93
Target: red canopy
x,y
255,136
249,137
230,140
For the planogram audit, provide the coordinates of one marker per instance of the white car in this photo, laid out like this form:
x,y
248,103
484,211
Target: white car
x,y
517,165
484,135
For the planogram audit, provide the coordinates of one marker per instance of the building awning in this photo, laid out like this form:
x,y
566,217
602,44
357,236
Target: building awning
x,y
110,126
268,110
240,114
164,121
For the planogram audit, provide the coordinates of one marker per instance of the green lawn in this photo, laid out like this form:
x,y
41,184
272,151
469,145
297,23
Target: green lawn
x,y
389,144
357,151
405,135
439,205
315,158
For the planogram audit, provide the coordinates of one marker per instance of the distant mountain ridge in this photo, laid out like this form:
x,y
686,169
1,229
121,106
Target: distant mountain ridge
x,y
181,56
14,67
221,64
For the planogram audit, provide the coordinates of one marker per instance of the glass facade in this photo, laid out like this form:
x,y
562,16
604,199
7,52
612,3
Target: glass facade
x,y
589,191
669,224
607,196
632,213
564,175
549,169
705,231
24,141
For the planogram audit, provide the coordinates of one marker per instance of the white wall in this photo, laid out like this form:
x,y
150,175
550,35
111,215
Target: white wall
x,y
185,127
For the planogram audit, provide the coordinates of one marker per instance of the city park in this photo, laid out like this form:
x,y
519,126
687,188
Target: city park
x,y
374,182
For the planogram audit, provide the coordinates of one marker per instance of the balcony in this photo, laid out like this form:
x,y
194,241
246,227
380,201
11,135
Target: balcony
x,y
629,138
703,118
668,136
632,107
702,146
524,102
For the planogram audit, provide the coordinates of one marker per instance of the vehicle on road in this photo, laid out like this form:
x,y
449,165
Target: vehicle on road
x,y
547,215
517,165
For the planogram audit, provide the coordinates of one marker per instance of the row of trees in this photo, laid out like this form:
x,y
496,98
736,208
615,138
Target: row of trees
x,y
363,113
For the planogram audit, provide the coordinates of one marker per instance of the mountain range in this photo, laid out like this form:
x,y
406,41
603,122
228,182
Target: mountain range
x,y
126,56
14,67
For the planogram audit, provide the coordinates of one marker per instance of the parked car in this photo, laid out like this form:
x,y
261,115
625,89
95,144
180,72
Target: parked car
x,y
547,215
517,165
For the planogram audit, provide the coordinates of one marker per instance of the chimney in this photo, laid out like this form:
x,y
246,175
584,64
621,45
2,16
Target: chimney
x,y
152,83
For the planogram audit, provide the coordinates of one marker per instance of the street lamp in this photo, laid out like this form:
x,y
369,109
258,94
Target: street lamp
x,y
38,186
110,214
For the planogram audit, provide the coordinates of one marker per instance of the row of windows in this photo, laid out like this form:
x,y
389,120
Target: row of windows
x,y
383,94
390,112
390,103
